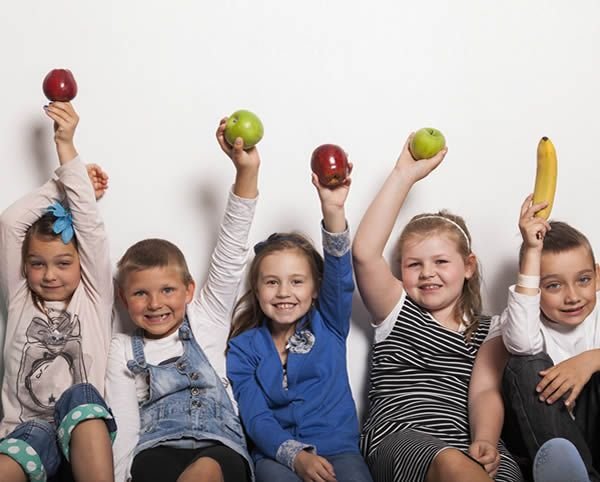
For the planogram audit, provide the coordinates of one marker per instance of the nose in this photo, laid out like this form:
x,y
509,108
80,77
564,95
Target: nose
x,y
154,302
49,274
283,290
427,271
571,295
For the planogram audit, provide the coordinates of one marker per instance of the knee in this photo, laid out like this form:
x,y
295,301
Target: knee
x,y
526,369
453,464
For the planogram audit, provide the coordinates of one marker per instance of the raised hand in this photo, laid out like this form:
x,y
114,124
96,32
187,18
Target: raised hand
x,y
533,229
241,159
98,178
416,170
65,122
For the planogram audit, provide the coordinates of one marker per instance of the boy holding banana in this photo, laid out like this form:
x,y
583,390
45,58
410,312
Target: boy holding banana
x,y
552,386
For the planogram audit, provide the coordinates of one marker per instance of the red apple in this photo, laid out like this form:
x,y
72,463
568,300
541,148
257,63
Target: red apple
x,y
59,85
330,163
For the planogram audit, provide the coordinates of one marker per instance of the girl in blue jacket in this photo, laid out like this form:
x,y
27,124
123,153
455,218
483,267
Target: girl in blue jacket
x,y
287,354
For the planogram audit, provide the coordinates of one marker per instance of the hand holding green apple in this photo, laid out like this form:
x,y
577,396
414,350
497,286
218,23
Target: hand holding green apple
x,y
244,124
426,143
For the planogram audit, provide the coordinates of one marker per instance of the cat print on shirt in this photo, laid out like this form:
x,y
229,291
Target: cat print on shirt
x,y
51,361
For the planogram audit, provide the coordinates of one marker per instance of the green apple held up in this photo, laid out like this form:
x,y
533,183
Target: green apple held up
x,y
426,143
246,125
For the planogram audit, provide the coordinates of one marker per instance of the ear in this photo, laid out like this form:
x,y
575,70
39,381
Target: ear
x,y
597,276
470,266
190,289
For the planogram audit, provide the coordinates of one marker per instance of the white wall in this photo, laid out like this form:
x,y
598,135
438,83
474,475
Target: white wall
x,y
155,78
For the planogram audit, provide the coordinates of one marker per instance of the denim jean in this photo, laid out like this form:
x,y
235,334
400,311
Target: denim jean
x,y
558,460
348,467
530,422
40,447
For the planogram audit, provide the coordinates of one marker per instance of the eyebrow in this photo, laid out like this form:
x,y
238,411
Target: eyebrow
x,y
556,275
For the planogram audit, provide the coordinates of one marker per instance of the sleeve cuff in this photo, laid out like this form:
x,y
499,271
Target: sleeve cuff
x,y
241,200
522,298
336,244
76,162
287,451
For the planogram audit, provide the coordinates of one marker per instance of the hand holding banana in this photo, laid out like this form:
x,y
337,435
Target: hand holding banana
x,y
545,178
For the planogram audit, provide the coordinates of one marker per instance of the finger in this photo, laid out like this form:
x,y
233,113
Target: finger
x,y
435,161
575,391
526,204
552,388
539,206
325,474
56,116
560,392
328,466
350,167
315,180
407,144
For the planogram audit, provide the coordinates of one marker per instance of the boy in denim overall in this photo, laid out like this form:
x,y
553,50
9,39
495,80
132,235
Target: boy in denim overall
x,y
168,381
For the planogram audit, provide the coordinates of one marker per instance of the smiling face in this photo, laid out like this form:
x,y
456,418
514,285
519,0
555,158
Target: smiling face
x,y
156,299
568,285
434,272
52,268
285,287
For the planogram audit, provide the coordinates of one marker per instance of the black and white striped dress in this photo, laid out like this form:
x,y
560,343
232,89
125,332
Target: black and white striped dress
x,y
419,397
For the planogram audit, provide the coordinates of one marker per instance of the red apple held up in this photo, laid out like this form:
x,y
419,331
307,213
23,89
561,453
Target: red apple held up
x,y
59,85
330,163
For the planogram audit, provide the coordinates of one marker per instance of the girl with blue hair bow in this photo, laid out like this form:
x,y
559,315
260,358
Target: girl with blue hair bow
x,y
56,283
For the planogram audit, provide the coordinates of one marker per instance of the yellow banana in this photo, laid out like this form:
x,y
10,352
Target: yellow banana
x,y
545,178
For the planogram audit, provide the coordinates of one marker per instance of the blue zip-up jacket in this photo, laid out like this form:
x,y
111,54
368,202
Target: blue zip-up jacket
x,y
317,411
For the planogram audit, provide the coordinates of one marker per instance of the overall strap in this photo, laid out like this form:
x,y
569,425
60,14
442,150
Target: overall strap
x,y
138,364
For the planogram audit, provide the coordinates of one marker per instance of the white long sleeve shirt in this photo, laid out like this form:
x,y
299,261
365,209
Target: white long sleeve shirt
x,y
526,331
209,316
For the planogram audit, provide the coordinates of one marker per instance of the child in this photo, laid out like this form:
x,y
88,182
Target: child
x,y
553,324
287,354
428,332
168,380
57,283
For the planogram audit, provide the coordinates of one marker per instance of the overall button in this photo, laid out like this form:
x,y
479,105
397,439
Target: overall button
x,y
195,403
194,376
180,366
195,391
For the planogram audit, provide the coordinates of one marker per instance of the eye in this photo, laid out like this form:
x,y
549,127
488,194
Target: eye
x,y
36,264
552,286
271,282
441,261
168,290
584,280
64,264
297,282
414,264
139,293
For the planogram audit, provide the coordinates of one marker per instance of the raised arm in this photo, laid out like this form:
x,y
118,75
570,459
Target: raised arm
x,y
337,287
93,246
521,332
379,288
228,260
486,408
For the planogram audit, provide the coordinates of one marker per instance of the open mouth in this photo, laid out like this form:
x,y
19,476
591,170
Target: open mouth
x,y
284,306
430,287
156,318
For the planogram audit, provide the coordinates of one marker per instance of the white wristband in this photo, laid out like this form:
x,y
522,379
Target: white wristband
x,y
528,281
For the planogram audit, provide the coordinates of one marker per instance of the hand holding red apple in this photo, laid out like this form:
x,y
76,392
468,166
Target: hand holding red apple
x,y
59,85
330,163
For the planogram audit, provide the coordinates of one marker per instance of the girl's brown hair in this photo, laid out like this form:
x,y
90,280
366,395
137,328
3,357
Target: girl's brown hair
x,y
247,313
469,305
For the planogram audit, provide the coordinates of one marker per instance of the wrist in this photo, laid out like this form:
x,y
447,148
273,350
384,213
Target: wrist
x,y
528,281
66,152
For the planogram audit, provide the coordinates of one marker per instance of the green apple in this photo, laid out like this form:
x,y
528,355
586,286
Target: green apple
x,y
426,143
246,125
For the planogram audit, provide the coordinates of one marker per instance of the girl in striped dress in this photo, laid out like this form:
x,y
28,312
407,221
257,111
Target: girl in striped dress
x,y
435,406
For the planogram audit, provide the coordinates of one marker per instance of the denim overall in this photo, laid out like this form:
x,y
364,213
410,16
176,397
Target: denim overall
x,y
187,400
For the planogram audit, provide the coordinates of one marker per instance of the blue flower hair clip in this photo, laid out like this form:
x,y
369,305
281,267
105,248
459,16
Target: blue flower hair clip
x,y
64,222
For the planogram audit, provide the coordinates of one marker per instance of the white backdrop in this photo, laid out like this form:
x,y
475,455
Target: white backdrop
x,y
155,77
